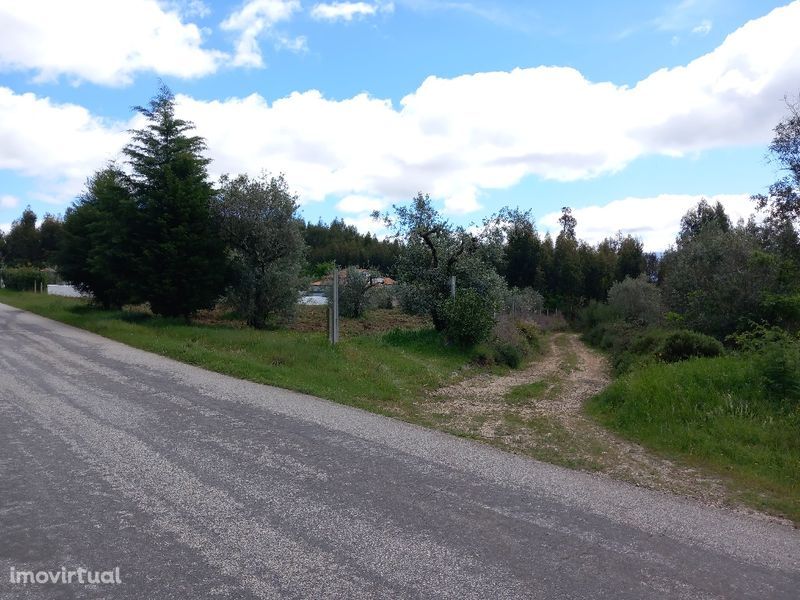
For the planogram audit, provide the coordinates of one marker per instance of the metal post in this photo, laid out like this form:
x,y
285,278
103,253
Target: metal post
x,y
333,327
453,286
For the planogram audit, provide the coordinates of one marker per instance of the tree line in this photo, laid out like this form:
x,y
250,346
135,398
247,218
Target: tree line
x,y
156,230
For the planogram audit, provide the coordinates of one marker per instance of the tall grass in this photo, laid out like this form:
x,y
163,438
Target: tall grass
x,y
716,413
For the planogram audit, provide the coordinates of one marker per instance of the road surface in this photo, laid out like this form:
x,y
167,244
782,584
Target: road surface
x,y
197,485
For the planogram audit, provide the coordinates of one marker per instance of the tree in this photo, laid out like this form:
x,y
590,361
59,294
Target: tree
x,y
521,254
50,232
353,293
783,198
636,300
703,217
23,246
433,251
630,258
98,253
568,222
718,280
259,224
181,267
2,247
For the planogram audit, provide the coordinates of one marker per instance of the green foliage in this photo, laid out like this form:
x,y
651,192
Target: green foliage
x,y
23,279
718,279
382,296
257,219
468,318
683,344
433,251
353,290
99,252
524,302
637,301
342,244
22,243
717,412
783,197
181,266
776,353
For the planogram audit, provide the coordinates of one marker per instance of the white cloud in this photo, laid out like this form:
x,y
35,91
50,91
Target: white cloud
x,y
347,11
704,28
454,138
5,227
365,223
360,204
100,41
656,221
254,19
58,144
9,201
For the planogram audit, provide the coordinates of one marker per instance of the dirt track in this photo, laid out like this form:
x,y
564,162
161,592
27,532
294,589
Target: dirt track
x,y
552,426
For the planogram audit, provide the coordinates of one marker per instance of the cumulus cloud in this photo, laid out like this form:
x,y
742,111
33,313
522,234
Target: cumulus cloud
x,y
347,11
456,138
9,201
101,42
58,144
256,18
360,204
5,227
656,221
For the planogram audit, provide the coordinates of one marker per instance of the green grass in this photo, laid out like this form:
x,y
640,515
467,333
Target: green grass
x,y
713,413
383,373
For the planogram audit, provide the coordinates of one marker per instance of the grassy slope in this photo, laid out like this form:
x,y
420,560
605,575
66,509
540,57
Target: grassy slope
x,y
384,373
712,413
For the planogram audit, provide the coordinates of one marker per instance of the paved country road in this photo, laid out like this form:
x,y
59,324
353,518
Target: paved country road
x,y
197,485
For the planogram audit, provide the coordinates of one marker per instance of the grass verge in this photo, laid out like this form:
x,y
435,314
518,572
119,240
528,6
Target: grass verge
x,y
381,372
713,413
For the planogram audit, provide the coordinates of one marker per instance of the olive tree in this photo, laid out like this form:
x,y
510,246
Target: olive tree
x,y
433,251
636,300
259,224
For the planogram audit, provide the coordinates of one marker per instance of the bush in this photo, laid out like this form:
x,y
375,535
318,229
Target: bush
x,y
23,279
382,296
509,354
637,301
468,318
353,293
683,344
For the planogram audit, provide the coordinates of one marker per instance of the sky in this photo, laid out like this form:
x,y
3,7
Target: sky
x,y
628,112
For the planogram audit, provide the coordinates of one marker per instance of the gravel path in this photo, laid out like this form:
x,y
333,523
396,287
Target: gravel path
x,y
198,485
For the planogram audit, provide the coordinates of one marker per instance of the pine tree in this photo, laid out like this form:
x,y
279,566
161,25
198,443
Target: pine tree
x,y
181,267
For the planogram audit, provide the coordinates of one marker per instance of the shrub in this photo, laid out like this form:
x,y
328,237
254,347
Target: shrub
x,y
23,279
509,354
468,318
353,293
683,344
382,296
637,301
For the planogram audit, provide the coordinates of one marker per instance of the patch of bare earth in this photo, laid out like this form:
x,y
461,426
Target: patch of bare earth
x,y
551,424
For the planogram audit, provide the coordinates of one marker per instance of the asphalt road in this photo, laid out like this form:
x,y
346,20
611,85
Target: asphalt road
x,y
197,485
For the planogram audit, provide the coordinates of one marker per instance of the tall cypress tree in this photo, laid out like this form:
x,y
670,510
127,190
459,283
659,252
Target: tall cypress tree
x,y
181,267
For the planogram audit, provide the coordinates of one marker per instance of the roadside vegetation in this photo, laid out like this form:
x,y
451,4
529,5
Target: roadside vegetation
x,y
702,340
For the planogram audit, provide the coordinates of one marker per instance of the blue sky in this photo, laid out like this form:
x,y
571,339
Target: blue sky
x,y
628,112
